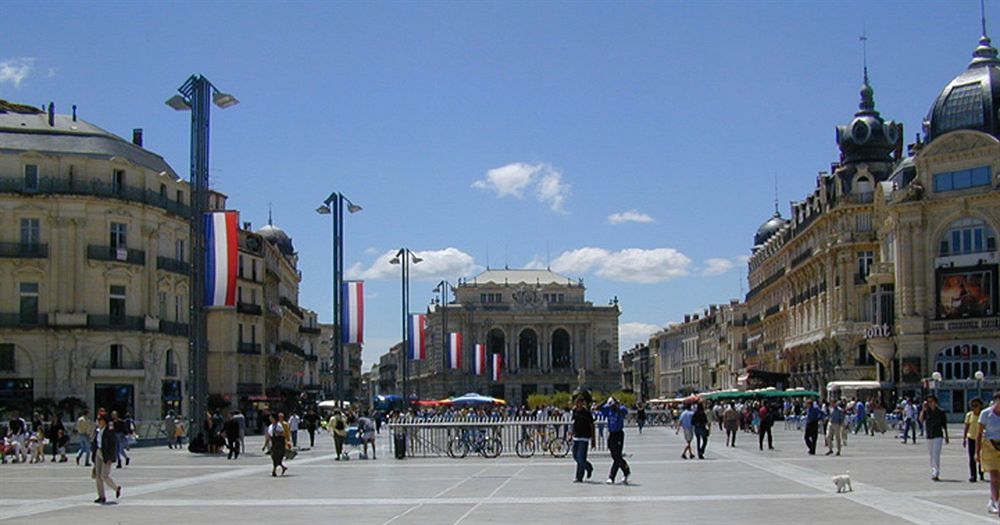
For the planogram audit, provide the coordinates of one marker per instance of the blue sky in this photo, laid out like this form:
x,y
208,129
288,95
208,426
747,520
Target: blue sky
x,y
635,145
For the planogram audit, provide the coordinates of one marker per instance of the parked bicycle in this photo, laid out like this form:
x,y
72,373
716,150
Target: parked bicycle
x,y
548,440
475,440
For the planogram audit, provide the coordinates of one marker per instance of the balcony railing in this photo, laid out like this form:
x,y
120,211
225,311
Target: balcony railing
x,y
983,323
291,348
172,328
249,308
309,330
107,364
802,257
20,250
110,253
173,265
116,322
19,320
248,348
287,303
65,186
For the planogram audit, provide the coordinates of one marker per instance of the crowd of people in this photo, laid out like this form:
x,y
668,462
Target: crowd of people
x,y
25,442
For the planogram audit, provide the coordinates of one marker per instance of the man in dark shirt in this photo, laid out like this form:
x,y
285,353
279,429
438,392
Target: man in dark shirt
x,y
231,429
614,412
813,417
583,432
936,429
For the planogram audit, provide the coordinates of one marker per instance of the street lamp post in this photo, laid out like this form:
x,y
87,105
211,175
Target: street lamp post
x,y
443,288
334,207
979,375
403,257
197,94
936,377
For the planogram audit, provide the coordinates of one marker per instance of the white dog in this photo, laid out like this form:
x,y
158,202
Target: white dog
x,y
843,482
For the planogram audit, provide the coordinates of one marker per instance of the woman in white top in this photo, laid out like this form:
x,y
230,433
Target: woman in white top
x,y
277,435
988,448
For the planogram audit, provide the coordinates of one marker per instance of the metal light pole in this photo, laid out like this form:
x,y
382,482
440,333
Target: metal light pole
x,y
936,377
334,207
197,94
443,288
403,257
979,375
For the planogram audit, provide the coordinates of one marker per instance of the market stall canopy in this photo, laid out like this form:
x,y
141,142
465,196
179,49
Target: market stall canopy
x,y
473,398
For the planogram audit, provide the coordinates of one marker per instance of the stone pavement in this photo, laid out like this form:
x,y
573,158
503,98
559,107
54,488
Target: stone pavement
x,y
732,485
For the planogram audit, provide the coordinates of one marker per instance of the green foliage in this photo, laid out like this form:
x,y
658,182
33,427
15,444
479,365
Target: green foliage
x,y
562,400
538,400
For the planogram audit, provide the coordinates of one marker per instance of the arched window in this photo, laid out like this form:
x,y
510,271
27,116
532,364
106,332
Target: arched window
x,y
964,360
527,349
562,357
967,236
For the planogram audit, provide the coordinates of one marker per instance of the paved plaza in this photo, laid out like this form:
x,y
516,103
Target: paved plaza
x,y
732,485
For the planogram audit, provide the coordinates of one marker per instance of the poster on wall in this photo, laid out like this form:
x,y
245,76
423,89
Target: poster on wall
x,y
966,292
910,370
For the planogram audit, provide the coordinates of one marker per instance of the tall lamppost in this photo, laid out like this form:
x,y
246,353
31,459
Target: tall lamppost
x,y
334,207
443,288
936,377
979,375
197,94
403,257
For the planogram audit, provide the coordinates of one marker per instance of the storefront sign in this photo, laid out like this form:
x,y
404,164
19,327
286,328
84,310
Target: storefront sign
x,y
877,331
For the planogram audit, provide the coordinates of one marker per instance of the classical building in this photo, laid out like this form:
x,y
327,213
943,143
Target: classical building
x,y
640,372
93,267
934,286
350,366
550,337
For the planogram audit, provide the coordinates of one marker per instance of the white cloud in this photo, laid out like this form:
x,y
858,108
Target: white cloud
x,y
513,179
629,216
634,265
717,266
52,72
15,70
448,263
630,334
371,250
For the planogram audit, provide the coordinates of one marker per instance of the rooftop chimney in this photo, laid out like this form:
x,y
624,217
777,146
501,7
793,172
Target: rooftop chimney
x,y
687,318
137,137
74,112
52,114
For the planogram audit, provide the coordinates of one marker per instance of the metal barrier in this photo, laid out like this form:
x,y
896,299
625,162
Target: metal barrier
x,y
430,436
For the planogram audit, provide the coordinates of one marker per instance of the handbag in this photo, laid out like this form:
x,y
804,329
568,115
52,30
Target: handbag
x,y
290,453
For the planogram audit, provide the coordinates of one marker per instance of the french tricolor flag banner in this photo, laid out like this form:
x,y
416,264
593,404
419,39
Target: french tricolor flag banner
x,y
221,260
497,366
352,314
455,351
416,333
480,353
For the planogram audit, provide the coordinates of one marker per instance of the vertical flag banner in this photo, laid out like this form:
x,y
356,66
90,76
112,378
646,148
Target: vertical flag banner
x,y
221,260
455,350
352,315
480,354
417,337
497,366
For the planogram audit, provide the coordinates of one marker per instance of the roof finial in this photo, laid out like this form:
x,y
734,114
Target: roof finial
x,y
985,54
867,93
864,50
982,13
776,212
269,223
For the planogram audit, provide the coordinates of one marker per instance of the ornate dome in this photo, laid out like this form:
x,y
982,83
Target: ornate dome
x,y
972,99
868,138
768,229
278,238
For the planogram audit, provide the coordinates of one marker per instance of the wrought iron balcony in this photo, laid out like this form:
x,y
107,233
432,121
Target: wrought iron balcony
x,y
309,330
110,253
116,322
20,250
173,265
19,320
92,188
248,348
172,328
108,364
287,303
249,308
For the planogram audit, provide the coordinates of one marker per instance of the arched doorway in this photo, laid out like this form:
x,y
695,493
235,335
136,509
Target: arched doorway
x,y
562,356
527,349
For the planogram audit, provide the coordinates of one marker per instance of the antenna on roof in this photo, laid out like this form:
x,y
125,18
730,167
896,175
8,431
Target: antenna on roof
x,y
548,257
487,255
982,12
269,223
864,50
505,265
776,212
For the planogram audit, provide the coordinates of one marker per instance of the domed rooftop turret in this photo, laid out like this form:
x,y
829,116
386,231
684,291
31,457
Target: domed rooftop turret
x,y
972,99
868,138
277,237
768,229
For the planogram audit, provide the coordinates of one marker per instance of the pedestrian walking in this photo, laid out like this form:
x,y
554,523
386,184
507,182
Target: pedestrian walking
x,y
935,423
121,431
366,429
861,418
312,424
685,423
583,437
293,426
84,435
105,447
766,423
614,412
278,436
814,416
701,429
731,421
909,419
988,448
170,429
231,429
337,426
241,423
640,416
970,433
835,428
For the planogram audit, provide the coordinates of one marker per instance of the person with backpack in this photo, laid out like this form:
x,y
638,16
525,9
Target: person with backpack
x,y
337,426
766,422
